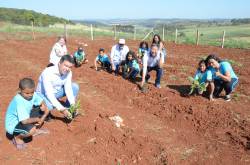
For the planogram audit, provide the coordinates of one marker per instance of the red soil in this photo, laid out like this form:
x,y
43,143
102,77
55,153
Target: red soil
x,y
161,126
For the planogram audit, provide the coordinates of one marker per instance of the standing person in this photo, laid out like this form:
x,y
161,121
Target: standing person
x,y
157,40
18,121
143,49
225,77
153,60
59,49
118,55
55,83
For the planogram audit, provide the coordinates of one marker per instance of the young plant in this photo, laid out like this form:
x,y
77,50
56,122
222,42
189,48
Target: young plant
x,y
73,108
196,85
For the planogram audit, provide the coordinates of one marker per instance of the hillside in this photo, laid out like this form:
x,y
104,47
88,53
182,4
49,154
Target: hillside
x,y
24,17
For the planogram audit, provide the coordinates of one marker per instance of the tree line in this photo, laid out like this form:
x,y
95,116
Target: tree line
x,y
25,17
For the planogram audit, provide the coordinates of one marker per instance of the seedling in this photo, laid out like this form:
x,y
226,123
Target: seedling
x,y
73,108
196,85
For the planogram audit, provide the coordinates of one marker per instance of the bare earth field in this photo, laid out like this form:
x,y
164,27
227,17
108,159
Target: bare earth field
x,y
160,126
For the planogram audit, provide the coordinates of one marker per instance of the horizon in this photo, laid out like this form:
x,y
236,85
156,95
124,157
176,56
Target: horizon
x,y
110,9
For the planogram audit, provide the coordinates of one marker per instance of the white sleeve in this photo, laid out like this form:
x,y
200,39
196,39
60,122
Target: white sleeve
x,y
68,89
112,54
48,87
144,64
162,56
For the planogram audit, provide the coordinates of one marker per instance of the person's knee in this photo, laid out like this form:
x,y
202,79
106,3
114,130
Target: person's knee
x,y
75,88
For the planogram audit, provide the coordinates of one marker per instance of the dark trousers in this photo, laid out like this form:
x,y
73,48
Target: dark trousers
x,y
227,86
131,74
159,73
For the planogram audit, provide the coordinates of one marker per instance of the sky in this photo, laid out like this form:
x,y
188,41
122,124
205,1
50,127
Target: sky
x,y
135,9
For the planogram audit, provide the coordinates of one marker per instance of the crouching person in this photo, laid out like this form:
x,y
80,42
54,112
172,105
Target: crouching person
x,y
131,67
57,89
153,60
102,60
19,123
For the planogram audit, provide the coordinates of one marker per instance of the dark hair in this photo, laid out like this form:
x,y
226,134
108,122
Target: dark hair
x,y
60,37
154,45
101,50
142,43
153,40
201,62
212,56
133,56
67,58
26,83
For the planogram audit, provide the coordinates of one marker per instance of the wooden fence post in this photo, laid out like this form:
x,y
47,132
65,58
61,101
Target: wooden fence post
x,y
176,35
91,32
134,32
223,39
163,33
65,30
114,32
197,37
33,33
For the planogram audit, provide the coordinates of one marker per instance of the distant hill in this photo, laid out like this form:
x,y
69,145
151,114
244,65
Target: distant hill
x,y
153,22
24,17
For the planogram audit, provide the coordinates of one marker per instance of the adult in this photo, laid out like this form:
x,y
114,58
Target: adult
x,y
157,40
59,49
55,83
153,60
224,76
118,54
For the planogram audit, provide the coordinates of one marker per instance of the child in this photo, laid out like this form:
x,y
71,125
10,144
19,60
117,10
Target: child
x,y
131,67
80,57
157,40
143,49
18,121
205,78
102,60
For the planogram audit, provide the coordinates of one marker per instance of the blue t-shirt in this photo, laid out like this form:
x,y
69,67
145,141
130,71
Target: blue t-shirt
x,y
80,56
103,58
142,51
19,109
203,77
133,64
225,67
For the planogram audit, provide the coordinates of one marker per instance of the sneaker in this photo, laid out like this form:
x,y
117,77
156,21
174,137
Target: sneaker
x,y
158,86
227,98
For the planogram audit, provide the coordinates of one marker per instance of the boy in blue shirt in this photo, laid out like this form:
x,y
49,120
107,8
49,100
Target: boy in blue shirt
x,y
80,57
18,120
102,60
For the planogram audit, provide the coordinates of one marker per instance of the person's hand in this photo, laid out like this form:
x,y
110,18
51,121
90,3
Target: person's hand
x,y
67,114
96,69
113,67
39,122
218,74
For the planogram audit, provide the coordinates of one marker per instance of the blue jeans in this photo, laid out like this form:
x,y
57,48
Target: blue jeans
x,y
60,94
159,73
227,86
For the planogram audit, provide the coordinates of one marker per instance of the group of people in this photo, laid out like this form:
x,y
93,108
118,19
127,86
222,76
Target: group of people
x,y
130,64
53,97
216,75
56,93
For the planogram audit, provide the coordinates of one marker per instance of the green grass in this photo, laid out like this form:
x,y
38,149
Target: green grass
x,y
236,36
